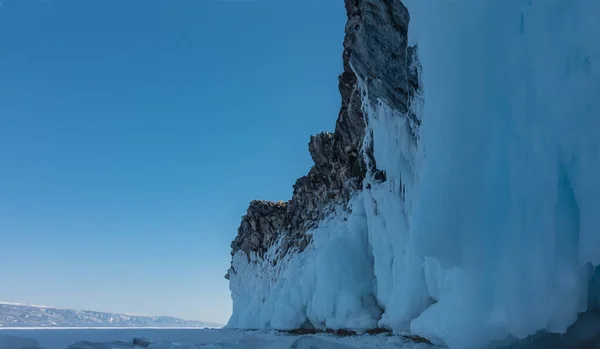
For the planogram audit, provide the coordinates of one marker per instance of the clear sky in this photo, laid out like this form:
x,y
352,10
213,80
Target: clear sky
x,y
134,133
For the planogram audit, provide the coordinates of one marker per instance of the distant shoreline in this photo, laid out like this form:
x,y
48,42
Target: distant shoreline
x,y
27,317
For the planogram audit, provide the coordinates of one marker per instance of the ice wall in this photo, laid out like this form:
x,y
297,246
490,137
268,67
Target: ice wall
x,y
509,192
327,286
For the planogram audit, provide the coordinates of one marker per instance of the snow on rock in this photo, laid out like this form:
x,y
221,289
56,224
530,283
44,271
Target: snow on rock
x,y
478,215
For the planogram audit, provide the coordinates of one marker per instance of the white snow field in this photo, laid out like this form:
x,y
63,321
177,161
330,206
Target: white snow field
x,y
488,230
189,339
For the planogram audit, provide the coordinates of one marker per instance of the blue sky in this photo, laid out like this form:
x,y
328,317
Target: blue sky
x,y
134,133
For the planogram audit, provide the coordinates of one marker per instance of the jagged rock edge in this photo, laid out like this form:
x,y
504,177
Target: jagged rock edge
x,y
292,237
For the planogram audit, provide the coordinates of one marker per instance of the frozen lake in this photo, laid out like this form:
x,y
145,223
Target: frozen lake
x,y
121,338
583,335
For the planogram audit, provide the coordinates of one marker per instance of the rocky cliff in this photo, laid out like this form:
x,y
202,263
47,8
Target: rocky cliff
x,y
319,242
375,48
470,221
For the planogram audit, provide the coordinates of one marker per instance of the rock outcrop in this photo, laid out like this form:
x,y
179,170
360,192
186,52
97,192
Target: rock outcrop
x,y
375,49
260,226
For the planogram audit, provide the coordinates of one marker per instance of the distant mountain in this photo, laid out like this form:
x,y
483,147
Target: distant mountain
x,y
20,315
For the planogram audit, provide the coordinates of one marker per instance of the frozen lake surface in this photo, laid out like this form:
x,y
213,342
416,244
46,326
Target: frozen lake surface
x,y
188,339
584,334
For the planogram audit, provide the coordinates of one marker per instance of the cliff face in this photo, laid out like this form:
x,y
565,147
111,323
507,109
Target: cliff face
x,y
448,228
375,48
293,245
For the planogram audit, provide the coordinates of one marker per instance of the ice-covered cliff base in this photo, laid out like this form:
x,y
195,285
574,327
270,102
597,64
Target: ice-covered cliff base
x,y
486,227
509,193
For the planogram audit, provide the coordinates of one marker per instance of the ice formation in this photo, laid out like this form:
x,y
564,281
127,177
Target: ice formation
x,y
510,182
486,225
